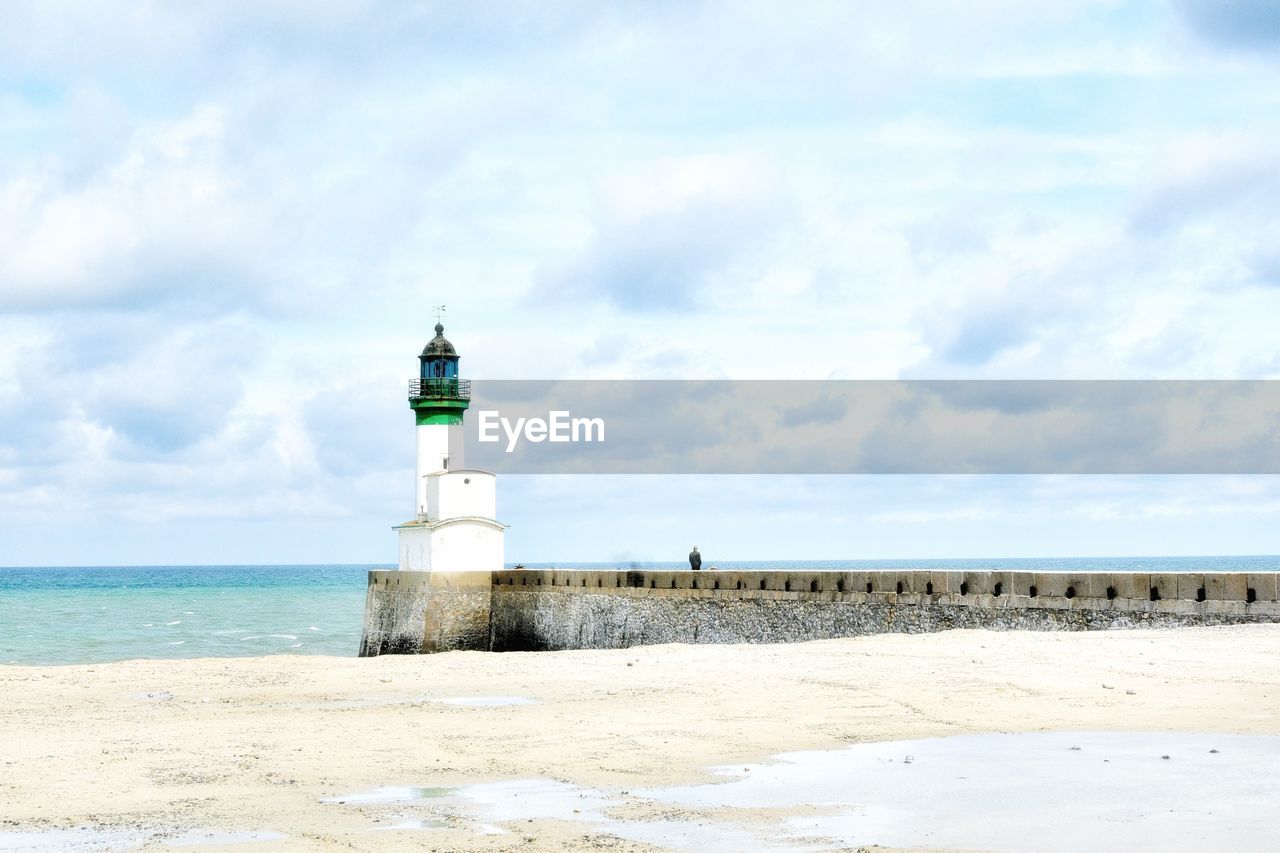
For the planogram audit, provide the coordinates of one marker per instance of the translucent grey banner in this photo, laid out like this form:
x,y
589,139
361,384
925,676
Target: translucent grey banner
x,y
873,427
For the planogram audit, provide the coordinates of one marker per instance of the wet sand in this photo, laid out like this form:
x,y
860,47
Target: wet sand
x,y
279,745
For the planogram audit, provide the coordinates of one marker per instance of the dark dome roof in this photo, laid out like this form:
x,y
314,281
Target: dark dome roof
x,y
438,346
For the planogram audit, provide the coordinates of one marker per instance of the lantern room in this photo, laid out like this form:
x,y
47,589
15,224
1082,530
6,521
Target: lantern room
x,y
439,359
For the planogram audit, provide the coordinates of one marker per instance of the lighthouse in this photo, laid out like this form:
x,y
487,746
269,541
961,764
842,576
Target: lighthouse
x,y
453,528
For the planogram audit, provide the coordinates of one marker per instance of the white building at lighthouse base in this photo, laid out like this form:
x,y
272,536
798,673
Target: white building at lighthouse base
x,y
458,532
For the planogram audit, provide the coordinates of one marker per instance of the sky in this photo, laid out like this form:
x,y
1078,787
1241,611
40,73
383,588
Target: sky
x,y
223,228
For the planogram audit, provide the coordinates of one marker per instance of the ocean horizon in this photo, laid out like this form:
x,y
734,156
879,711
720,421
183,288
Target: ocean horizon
x,y
99,614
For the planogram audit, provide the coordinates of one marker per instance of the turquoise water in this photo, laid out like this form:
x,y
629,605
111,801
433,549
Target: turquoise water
x,y
64,615
89,615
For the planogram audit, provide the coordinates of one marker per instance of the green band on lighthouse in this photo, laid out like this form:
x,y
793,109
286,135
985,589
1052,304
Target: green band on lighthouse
x,y
447,418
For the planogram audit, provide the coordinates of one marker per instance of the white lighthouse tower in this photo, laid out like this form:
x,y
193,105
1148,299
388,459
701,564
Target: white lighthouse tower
x,y
453,529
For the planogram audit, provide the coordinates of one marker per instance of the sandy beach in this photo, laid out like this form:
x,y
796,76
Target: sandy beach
x,y
290,747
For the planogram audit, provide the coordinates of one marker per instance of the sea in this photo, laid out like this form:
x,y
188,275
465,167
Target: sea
x,y
95,614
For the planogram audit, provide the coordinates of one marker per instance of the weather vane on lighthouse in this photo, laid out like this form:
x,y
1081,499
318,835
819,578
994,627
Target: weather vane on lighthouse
x,y
439,309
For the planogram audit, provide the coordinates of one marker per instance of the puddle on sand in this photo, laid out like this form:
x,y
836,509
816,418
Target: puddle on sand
x,y
1054,791
535,799
523,800
391,794
76,838
532,799
486,701
371,702
416,823
196,837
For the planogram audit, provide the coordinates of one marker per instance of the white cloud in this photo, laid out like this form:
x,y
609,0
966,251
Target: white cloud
x,y
161,223
668,236
271,195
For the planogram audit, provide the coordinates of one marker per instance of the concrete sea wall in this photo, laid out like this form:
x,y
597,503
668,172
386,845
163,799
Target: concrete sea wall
x,y
519,610
413,612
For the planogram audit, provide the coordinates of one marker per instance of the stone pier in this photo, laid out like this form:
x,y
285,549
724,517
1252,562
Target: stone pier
x,y
524,610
